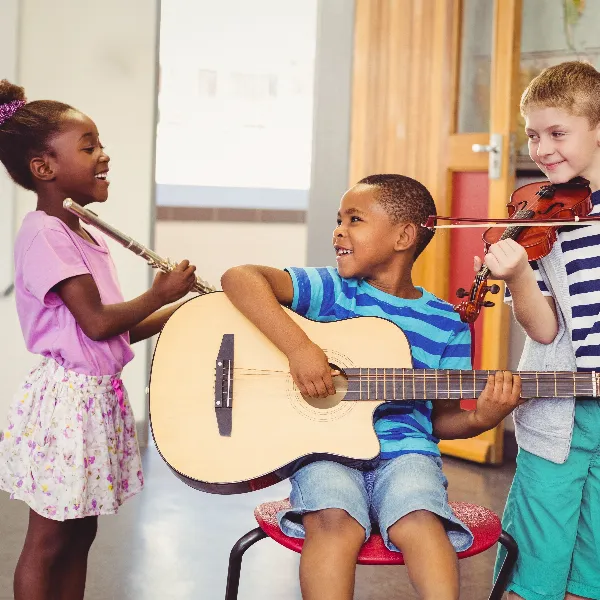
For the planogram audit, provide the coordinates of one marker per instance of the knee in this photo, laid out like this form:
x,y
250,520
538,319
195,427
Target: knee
x,y
51,547
414,523
333,522
85,533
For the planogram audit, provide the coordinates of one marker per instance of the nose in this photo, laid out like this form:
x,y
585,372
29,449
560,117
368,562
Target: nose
x,y
338,231
545,146
104,157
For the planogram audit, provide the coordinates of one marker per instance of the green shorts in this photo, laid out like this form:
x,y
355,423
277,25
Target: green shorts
x,y
553,512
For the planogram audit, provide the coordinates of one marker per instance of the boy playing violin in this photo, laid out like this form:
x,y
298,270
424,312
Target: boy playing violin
x,y
553,509
376,241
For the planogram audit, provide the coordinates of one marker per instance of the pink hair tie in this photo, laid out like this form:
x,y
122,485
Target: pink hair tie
x,y
8,109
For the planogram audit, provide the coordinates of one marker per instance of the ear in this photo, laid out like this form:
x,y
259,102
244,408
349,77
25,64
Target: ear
x,y
406,237
41,168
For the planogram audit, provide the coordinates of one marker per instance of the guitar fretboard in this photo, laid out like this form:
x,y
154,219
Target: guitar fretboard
x,y
431,384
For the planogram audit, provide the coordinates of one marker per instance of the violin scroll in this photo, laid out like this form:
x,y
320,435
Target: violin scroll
x,y
469,309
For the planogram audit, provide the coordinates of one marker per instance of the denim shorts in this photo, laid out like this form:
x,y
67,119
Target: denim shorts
x,y
380,496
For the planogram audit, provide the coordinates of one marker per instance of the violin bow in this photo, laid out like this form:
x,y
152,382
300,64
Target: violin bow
x,y
474,222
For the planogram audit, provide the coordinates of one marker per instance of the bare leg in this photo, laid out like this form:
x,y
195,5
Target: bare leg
x,y
72,571
328,560
45,546
429,556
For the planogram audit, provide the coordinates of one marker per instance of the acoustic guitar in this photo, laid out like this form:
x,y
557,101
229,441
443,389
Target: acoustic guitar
x,y
227,417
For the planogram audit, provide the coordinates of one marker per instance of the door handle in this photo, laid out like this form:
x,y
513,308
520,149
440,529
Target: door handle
x,y
494,148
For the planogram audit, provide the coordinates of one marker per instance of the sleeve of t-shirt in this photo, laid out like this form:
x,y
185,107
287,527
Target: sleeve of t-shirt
x,y
457,354
538,277
315,289
51,258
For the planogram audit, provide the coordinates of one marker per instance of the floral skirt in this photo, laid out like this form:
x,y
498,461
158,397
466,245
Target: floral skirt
x,y
69,448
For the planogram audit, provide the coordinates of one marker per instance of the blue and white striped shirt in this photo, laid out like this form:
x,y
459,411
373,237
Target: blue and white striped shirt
x,y
437,336
580,246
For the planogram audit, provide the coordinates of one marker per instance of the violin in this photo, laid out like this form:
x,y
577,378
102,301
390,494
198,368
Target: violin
x,y
536,212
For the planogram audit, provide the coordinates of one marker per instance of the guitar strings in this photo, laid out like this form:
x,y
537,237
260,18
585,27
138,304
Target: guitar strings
x,y
543,377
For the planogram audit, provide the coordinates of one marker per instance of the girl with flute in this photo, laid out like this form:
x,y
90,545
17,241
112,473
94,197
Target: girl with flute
x,y
69,448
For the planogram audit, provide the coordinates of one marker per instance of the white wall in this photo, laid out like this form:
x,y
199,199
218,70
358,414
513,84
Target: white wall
x,y
331,125
102,60
214,247
9,9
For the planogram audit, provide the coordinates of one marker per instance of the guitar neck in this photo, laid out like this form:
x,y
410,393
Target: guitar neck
x,y
438,384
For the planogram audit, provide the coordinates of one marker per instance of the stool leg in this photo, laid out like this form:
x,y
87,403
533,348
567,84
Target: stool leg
x,y
235,560
512,552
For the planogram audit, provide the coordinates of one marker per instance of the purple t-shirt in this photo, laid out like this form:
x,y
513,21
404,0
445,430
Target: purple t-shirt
x,y
47,252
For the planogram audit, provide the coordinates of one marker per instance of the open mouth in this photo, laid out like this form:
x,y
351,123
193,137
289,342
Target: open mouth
x,y
102,176
341,252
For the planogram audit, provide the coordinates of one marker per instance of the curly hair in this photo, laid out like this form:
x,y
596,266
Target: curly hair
x,y
405,199
27,132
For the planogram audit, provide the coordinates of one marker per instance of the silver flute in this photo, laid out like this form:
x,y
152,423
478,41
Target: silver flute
x,y
153,259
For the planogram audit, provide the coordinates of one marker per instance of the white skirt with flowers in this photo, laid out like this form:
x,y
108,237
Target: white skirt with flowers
x,y
69,448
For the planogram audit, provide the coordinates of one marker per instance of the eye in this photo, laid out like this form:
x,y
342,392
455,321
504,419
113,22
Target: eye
x,y
339,222
355,219
91,149
558,134
532,136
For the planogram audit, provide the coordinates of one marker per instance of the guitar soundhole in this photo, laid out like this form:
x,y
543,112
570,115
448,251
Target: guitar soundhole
x,y
341,386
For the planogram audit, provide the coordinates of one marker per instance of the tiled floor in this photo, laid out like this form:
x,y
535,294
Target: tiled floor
x,y
173,542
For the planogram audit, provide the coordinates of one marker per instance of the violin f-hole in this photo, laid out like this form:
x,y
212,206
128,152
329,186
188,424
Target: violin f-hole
x,y
551,207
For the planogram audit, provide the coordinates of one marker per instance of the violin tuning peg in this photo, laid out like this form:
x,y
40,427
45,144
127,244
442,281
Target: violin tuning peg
x,y
489,303
461,292
494,289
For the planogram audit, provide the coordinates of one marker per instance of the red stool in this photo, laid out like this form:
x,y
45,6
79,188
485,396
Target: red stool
x,y
484,524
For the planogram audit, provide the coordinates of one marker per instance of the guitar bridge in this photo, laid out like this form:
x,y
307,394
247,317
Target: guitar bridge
x,y
224,385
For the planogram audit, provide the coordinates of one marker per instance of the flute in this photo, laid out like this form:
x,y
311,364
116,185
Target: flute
x,y
153,259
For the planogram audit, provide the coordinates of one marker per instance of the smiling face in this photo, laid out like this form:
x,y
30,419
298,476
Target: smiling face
x,y
366,241
563,145
77,160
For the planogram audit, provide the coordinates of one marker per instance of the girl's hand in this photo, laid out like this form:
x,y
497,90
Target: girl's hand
x,y
506,260
311,371
172,286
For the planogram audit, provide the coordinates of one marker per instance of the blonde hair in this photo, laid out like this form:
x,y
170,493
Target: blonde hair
x,y
572,86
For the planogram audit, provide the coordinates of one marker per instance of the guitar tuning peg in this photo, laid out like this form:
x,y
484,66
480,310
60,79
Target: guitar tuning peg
x,y
461,292
494,289
489,303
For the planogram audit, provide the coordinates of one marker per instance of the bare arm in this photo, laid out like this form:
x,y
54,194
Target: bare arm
x,y
102,321
258,293
498,399
152,324
535,312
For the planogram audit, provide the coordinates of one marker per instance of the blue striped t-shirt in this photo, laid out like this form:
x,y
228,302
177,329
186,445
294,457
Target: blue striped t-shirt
x,y
580,246
437,336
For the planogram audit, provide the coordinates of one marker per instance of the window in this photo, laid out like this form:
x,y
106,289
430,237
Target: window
x,y
236,103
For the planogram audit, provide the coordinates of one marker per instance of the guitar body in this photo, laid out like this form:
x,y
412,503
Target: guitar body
x,y
274,429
